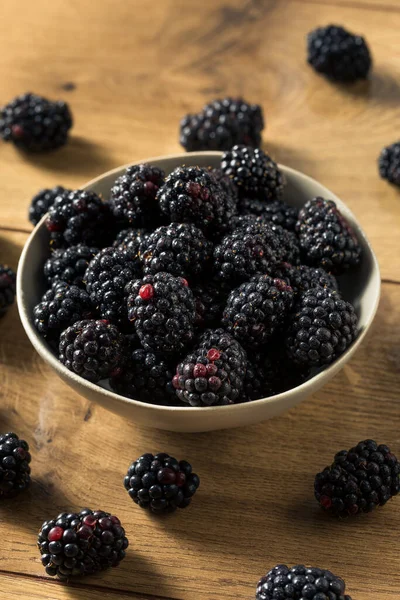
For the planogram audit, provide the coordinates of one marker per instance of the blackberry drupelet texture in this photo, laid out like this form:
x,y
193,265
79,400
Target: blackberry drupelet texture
x,y
302,278
210,300
276,212
254,172
322,326
84,543
42,201
34,123
389,163
178,248
69,265
14,465
106,277
130,239
92,349
162,308
326,238
338,54
133,196
160,483
256,310
60,307
268,374
221,124
7,288
300,583
359,480
289,247
226,183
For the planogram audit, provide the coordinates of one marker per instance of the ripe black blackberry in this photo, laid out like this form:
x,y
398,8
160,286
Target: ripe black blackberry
x,y
289,248
257,309
7,288
326,238
221,124
193,195
226,183
178,248
276,212
254,172
210,300
302,278
79,217
133,196
162,308
61,306
322,326
130,239
92,349
106,277
338,54
268,374
389,163
69,265
300,583
34,123
160,483
84,543
284,243
14,465
359,480
42,201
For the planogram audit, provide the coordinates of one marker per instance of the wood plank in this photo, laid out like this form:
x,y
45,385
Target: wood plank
x,y
255,506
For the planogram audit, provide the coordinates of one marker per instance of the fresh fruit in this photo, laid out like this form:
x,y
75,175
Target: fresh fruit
x,y
69,264
42,201
14,465
7,288
389,163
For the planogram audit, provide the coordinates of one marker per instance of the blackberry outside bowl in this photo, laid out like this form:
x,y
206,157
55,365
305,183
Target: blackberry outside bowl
x,y
361,287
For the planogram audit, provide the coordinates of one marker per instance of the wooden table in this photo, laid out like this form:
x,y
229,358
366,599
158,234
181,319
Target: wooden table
x,y
130,70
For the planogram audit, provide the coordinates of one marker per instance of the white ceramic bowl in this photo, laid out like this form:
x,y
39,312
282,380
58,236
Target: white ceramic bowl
x,y
361,287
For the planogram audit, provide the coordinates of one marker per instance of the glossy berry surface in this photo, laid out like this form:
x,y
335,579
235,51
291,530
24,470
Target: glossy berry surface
x,y
7,288
14,465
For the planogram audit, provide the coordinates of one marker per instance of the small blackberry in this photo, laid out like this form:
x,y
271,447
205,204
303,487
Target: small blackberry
x,y
14,465
300,583
322,327
130,239
257,309
106,277
78,217
226,183
69,265
92,349
289,248
276,212
210,300
133,196
75,544
338,54
221,124
7,288
326,238
60,307
41,203
389,163
359,480
302,278
178,248
162,308
268,374
160,483
34,123
254,172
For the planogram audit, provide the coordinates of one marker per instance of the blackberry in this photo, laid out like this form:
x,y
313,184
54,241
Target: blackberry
x,y
162,308
276,212
34,123
322,327
92,349
268,374
289,248
359,480
389,163
79,217
226,183
106,277
60,307
210,300
326,238
299,583
14,465
84,543
130,239
257,309
222,124
7,288
193,195
133,196
213,374
69,265
160,483
41,203
302,278
145,377
254,172
179,248
284,243
338,54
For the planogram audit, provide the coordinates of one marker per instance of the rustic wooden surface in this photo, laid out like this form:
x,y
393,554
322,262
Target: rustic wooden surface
x,y
135,69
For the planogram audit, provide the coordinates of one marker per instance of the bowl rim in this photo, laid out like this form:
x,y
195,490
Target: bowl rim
x,y
41,346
